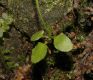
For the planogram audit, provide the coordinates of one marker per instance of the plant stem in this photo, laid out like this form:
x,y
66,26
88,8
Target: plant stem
x,y
47,28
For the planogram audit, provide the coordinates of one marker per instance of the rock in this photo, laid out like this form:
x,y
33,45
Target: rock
x,y
24,15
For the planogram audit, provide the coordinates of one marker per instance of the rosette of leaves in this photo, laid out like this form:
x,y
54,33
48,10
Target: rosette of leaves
x,y
5,20
61,43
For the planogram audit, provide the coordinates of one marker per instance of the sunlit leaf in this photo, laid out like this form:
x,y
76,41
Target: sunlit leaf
x,y
62,43
37,35
39,52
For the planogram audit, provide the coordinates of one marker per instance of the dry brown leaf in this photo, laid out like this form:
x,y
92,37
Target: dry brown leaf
x,y
21,72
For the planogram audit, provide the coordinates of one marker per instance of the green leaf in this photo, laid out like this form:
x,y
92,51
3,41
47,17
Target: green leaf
x,y
62,43
39,52
37,35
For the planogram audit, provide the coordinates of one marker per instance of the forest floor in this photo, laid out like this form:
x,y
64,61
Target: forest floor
x,y
16,45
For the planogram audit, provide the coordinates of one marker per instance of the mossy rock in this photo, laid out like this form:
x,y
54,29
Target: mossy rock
x,y
24,15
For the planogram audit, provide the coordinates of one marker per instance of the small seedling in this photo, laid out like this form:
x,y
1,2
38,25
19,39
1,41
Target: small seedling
x,y
61,42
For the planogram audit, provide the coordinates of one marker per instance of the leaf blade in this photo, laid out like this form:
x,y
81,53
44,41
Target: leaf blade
x,y
63,43
39,52
36,36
